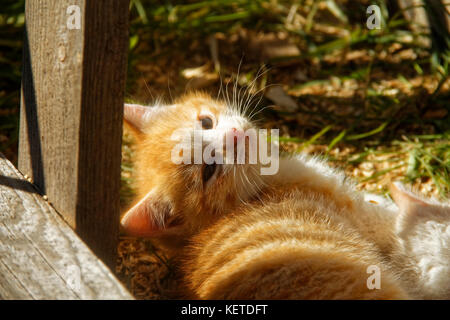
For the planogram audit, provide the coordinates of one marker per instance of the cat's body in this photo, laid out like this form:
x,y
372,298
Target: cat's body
x,y
296,245
303,233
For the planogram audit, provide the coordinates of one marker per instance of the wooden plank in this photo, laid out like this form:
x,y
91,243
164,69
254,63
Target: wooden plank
x,y
71,113
414,12
434,14
40,255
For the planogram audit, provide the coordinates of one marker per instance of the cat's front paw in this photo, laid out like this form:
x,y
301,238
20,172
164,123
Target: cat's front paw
x,y
423,228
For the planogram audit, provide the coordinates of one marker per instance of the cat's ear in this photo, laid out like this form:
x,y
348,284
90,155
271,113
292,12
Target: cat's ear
x,y
414,210
147,217
138,116
407,201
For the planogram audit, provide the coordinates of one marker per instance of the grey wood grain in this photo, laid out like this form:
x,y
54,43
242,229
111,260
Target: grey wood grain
x,y
71,113
40,255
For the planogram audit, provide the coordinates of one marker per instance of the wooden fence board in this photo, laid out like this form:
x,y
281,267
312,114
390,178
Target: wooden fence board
x,y
71,113
40,255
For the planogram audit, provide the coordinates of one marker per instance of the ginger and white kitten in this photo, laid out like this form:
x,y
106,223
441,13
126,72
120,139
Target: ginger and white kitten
x,y
303,233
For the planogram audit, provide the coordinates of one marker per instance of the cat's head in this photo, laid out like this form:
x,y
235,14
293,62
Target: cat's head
x,y
176,200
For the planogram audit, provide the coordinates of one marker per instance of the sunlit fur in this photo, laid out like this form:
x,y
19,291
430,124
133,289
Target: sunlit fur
x,y
312,237
304,233
423,227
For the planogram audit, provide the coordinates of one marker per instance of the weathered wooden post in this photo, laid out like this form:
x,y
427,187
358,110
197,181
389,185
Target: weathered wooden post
x,y
74,72
431,14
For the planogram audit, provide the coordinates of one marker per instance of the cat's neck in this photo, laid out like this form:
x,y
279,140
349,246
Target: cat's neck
x,y
310,172
313,173
374,219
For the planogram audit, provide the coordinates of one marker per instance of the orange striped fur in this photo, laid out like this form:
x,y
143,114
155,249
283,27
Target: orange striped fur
x,y
304,233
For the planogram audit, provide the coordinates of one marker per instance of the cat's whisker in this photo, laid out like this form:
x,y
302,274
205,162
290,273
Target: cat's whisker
x,y
244,190
261,72
170,91
251,190
239,96
251,115
259,111
260,184
256,189
148,88
256,94
236,185
235,85
220,88
247,93
253,97
227,93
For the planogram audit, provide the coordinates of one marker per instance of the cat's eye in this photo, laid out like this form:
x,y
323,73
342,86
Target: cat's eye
x,y
206,122
208,171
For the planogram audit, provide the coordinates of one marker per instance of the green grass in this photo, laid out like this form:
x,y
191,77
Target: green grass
x,y
11,32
